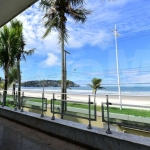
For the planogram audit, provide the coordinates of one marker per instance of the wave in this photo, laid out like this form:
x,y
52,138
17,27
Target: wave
x,y
111,90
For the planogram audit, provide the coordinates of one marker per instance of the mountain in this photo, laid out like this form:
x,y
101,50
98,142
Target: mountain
x,y
46,83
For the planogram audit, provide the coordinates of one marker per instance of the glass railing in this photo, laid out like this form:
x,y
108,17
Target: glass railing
x,y
79,109
131,116
36,103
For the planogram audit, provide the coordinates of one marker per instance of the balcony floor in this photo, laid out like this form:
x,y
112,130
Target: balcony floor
x,y
14,136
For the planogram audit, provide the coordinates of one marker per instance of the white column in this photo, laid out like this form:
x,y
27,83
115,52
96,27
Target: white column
x,y
117,63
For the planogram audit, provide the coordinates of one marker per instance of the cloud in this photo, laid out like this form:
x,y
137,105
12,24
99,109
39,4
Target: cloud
x,y
145,79
96,31
52,60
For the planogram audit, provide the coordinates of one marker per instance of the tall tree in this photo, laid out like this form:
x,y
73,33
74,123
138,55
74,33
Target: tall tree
x,y
96,84
1,84
56,18
12,76
20,52
8,44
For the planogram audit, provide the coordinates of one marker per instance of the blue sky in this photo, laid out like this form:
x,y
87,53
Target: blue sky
x,y
92,45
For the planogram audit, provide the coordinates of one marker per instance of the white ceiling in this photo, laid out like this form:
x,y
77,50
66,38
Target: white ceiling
x,y
11,8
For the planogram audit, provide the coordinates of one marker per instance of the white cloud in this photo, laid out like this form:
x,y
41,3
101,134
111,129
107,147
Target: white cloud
x,y
52,60
96,31
139,79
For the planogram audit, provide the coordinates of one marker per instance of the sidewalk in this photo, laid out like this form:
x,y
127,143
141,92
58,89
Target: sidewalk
x,y
14,136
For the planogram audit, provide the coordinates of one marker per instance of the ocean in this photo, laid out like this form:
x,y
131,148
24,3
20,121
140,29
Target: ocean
x,y
126,90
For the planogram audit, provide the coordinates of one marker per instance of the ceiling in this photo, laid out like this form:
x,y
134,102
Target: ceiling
x,y
11,8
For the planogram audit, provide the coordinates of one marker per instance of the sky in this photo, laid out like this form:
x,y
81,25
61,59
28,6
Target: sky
x,y
92,44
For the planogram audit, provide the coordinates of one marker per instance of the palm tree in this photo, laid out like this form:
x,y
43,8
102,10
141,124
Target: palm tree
x,y
1,84
20,52
8,44
96,84
13,78
56,18
67,83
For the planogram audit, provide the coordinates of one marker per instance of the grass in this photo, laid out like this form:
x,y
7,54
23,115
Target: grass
x,y
9,96
78,105
69,104
34,100
128,111
10,104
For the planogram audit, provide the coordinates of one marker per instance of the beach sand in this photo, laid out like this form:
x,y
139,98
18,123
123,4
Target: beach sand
x,y
133,100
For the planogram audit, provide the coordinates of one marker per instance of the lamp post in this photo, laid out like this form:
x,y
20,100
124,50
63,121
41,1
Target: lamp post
x,y
117,63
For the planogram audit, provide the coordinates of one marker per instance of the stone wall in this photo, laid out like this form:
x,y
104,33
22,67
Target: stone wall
x,y
76,132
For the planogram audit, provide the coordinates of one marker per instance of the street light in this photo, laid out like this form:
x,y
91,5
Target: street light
x,y
117,63
42,83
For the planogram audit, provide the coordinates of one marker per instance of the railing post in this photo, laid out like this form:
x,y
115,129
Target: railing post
x,y
95,111
108,122
89,126
19,99
15,100
42,115
102,107
65,102
62,106
53,117
3,99
22,101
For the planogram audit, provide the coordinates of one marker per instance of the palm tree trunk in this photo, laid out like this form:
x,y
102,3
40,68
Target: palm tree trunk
x,y
63,71
19,82
14,88
63,87
95,97
5,86
95,104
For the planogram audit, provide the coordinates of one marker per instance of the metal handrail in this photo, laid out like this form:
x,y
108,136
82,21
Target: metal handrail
x,y
89,103
126,123
83,102
129,105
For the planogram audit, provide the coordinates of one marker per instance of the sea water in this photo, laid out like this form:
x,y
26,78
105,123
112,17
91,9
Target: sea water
x,y
127,90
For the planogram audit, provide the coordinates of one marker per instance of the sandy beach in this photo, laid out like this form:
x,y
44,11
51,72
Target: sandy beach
x,y
126,99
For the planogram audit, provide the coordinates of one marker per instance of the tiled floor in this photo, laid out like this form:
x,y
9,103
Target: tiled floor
x,y
14,136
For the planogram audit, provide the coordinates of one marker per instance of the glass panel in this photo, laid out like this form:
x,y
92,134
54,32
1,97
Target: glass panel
x,y
75,109
34,103
10,100
130,116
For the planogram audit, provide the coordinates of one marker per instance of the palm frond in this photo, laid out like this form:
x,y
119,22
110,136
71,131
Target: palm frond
x,y
51,24
75,3
29,52
13,75
79,14
90,85
95,84
46,4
